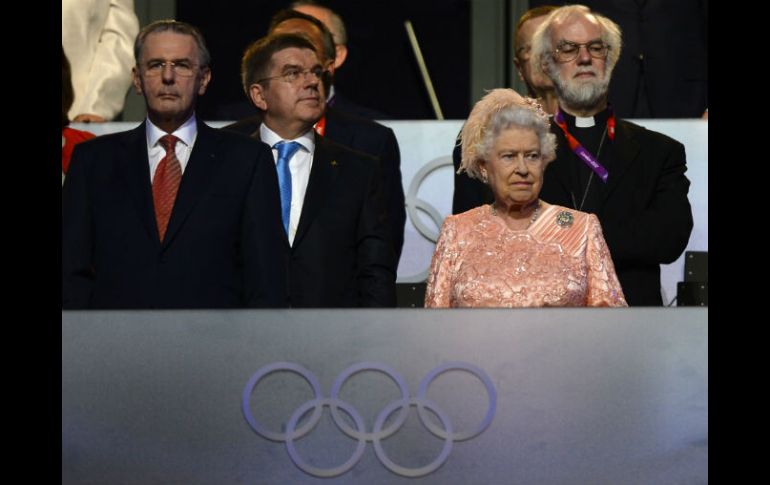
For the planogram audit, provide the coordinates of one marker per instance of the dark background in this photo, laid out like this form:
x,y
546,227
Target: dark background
x,y
381,71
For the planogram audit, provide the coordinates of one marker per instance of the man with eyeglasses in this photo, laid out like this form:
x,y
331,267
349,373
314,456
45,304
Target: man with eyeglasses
x,y
343,127
172,214
631,178
338,251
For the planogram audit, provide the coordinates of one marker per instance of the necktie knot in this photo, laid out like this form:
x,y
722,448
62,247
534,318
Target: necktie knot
x,y
168,142
286,149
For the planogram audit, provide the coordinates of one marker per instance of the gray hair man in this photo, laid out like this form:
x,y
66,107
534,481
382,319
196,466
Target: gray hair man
x,y
632,178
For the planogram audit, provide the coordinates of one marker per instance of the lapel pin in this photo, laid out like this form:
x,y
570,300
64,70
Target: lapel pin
x,y
334,163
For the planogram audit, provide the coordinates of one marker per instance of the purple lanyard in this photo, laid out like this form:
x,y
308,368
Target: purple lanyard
x,y
580,150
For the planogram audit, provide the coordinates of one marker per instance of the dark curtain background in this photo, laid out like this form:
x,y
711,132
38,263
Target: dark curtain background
x,y
381,71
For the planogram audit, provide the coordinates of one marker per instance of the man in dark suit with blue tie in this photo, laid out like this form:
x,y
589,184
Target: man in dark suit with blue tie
x,y
341,127
172,214
335,227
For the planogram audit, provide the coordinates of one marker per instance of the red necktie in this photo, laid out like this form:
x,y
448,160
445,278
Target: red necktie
x,y
166,184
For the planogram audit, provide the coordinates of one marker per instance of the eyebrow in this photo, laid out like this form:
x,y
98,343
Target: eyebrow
x,y
160,59
286,67
563,41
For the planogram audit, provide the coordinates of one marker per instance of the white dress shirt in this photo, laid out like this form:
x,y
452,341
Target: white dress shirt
x,y
187,133
299,165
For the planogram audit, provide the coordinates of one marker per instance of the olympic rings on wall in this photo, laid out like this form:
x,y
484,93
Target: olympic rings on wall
x,y
446,431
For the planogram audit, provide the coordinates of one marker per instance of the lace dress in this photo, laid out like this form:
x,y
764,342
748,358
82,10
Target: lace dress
x,y
480,262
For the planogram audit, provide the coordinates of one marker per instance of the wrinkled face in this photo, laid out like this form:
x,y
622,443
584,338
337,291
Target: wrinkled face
x,y
533,77
515,166
583,81
298,102
170,77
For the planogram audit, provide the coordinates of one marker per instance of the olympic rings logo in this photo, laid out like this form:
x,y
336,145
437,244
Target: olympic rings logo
x,y
445,432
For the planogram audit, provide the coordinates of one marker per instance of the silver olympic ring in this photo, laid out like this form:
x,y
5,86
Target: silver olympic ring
x,y
367,366
413,472
324,472
268,369
421,402
491,394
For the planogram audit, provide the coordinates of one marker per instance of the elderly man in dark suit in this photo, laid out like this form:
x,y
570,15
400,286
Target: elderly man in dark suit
x,y
172,214
339,253
343,127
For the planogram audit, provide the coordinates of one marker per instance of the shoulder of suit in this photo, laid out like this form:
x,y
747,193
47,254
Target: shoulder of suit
x,y
344,152
355,122
247,126
235,138
644,135
110,140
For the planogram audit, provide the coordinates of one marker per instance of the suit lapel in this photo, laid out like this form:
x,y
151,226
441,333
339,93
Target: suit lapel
x,y
626,151
197,176
135,166
319,186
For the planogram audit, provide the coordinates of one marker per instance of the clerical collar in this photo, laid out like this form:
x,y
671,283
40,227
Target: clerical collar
x,y
599,119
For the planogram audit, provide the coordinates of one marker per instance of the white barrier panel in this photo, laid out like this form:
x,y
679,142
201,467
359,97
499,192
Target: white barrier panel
x,y
427,176
525,396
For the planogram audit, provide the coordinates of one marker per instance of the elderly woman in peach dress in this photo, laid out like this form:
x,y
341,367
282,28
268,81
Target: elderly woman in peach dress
x,y
518,251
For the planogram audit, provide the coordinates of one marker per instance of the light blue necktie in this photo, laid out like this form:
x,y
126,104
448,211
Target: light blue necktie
x,y
285,152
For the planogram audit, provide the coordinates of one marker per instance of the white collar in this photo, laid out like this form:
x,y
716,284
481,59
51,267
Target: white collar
x,y
307,139
186,133
581,122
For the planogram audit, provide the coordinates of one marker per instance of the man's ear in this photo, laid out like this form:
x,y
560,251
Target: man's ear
x,y
205,80
136,81
340,55
257,95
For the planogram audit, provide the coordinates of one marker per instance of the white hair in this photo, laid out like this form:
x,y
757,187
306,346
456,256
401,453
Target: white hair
x,y
542,45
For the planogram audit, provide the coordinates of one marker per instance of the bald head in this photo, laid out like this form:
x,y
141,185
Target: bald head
x,y
333,22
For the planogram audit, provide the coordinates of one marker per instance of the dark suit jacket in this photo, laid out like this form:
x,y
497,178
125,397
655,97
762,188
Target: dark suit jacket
x,y
645,213
222,248
341,256
373,139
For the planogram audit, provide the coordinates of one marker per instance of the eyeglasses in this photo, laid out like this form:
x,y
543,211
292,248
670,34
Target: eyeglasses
x,y
294,75
180,68
568,51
